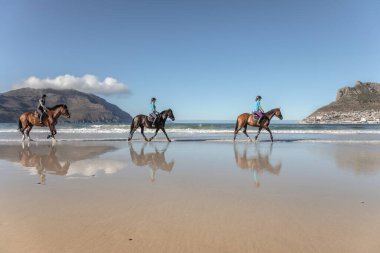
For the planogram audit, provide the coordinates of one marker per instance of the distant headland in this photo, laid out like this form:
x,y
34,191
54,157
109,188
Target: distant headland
x,y
84,107
358,104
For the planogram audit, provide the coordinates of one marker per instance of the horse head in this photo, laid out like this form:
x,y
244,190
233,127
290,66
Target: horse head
x,y
278,113
169,114
65,111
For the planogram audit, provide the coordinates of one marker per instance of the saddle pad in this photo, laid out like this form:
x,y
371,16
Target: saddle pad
x,y
150,118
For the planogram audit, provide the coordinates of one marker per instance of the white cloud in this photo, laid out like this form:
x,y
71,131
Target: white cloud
x,y
86,83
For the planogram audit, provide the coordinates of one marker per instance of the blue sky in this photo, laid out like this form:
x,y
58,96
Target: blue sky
x,y
204,59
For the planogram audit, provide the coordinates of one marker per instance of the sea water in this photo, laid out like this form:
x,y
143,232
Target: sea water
x,y
283,131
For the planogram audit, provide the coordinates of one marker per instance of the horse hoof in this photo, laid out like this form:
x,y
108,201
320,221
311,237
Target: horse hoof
x,y
129,139
169,140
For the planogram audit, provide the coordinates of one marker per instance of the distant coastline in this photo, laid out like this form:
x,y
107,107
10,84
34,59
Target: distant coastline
x,y
354,105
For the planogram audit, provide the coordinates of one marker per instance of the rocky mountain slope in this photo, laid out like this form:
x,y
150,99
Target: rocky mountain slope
x,y
84,108
353,105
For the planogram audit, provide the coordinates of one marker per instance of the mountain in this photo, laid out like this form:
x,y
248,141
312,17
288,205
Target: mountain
x,y
360,103
83,107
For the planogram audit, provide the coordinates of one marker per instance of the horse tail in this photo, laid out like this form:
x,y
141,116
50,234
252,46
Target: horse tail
x,y
20,126
132,125
237,125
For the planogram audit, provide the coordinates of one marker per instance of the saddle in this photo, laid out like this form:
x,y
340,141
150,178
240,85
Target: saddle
x,y
255,116
151,117
37,115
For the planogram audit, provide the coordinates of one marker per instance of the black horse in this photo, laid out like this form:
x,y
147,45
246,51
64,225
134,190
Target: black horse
x,y
143,121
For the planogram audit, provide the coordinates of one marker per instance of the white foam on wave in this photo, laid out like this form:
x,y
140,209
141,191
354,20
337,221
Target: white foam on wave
x,y
123,130
209,140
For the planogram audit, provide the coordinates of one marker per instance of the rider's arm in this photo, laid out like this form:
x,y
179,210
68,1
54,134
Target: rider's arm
x,y
261,109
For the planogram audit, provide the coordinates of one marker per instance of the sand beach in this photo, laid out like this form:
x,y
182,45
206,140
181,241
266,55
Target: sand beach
x,y
200,196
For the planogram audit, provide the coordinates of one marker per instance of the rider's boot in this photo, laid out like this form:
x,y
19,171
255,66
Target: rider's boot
x,y
259,121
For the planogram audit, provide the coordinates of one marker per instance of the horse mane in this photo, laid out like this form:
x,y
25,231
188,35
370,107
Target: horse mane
x,y
56,106
165,111
273,110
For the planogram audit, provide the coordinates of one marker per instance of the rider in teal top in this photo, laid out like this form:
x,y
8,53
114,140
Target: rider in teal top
x,y
258,109
154,113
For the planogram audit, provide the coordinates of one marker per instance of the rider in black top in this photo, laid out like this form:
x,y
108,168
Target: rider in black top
x,y
41,108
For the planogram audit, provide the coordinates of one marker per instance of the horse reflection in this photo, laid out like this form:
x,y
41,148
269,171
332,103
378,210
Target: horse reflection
x,y
257,163
46,163
155,160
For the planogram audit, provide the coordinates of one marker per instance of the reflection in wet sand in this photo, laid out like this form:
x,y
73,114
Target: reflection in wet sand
x,y
258,163
155,160
46,163
65,160
361,161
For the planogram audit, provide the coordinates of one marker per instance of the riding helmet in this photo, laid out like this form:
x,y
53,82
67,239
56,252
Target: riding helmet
x,y
153,99
258,97
44,95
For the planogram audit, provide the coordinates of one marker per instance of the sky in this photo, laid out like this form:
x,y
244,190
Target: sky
x,y
206,60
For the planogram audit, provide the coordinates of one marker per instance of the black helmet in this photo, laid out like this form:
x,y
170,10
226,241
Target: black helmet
x,y
44,95
258,97
153,99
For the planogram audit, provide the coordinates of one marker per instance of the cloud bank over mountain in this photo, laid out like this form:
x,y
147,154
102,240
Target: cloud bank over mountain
x,y
87,83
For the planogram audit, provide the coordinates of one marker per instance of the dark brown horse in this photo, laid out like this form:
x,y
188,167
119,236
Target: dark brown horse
x,y
142,122
246,119
29,119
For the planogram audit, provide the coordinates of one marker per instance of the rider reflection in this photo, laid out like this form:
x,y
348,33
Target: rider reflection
x,y
258,162
154,160
46,163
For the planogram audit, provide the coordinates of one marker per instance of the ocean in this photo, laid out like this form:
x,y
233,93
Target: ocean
x,y
283,131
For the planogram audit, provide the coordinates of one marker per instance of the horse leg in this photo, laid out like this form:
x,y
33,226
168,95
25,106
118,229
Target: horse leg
x,y
28,129
258,132
131,133
163,130
270,132
52,130
236,132
23,135
245,132
151,138
142,132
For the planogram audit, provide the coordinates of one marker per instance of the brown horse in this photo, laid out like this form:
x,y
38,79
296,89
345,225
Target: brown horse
x,y
142,122
29,119
246,119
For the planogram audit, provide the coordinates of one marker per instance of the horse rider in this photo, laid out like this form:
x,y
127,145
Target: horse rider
x,y
41,108
154,113
258,109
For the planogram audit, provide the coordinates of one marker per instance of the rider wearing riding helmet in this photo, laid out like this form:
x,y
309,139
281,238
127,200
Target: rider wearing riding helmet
x,y
41,108
258,109
154,112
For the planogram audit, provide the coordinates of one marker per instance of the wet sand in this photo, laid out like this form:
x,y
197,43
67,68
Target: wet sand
x,y
189,197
